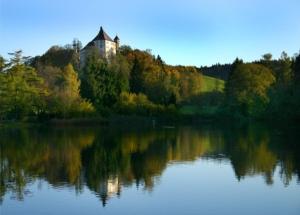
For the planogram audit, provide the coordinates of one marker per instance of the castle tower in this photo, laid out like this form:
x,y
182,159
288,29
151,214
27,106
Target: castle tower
x,y
117,41
104,44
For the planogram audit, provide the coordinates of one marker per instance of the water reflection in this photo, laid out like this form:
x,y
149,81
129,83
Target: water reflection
x,y
109,159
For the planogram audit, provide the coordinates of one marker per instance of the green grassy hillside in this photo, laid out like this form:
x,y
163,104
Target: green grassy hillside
x,y
212,84
209,84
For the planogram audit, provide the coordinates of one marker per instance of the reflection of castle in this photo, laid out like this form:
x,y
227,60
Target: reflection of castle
x,y
109,188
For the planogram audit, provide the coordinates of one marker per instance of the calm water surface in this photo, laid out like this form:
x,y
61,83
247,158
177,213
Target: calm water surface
x,y
181,170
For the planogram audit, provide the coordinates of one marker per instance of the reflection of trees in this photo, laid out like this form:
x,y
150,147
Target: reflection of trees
x,y
40,153
285,142
249,152
256,150
138,157
107,159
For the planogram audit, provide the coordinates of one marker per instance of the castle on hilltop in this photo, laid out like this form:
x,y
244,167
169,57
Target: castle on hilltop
x,y
104,44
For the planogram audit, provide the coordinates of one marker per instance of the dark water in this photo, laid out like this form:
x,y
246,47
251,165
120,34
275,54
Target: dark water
x,y
182,170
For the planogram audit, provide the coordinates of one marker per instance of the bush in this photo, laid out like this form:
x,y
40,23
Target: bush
x,y
84,109
131,103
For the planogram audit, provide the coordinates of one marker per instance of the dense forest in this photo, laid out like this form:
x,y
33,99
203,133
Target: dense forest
x,y
220,71
135,82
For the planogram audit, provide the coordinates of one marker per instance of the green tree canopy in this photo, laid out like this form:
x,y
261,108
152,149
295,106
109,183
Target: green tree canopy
x,y
20,88
58,56
247,89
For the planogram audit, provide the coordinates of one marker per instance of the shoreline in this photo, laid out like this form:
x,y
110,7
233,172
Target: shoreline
x,y
113,120
142,121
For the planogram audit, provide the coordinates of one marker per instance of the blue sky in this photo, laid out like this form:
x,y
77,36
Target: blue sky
x,y
189,32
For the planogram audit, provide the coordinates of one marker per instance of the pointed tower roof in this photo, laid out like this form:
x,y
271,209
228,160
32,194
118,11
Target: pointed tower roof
x,y
102,36
116,38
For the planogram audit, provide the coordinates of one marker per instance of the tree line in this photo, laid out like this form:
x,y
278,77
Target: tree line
x,y
264,89
55,85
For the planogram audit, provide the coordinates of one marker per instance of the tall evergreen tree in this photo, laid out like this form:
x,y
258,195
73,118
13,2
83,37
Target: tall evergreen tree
x,y
297,69
99,84
136,77
2,63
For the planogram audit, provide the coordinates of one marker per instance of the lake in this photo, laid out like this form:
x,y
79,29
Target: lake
x,y
210,169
